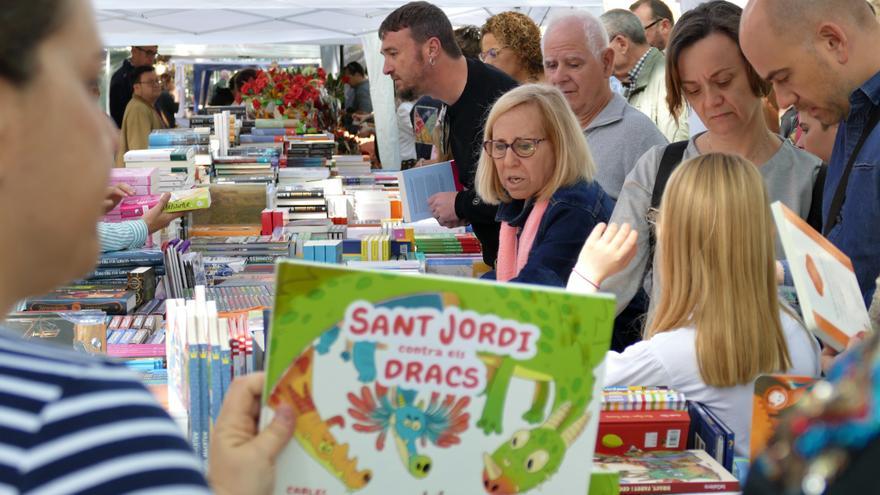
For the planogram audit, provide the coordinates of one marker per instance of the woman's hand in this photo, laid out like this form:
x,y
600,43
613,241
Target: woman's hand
x,y
608,250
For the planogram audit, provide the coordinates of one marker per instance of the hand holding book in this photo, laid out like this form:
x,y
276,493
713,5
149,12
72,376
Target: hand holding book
x,y
156,218
235,440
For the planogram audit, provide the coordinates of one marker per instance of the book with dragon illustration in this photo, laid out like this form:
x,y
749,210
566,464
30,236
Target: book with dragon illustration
x,y
415,384
687,471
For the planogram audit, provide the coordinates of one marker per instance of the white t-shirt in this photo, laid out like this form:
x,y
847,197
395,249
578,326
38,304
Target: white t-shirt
x,y
670,359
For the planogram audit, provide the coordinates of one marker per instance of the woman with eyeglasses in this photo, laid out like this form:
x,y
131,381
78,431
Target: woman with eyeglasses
x,y
511,42
536,164
707,71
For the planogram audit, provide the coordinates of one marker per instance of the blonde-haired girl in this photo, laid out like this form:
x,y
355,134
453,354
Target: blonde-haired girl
x,y
718,323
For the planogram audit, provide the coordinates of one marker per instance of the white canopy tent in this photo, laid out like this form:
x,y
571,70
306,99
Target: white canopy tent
x,y
302,22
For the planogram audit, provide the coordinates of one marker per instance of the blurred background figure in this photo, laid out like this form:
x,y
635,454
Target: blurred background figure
x,y
511,42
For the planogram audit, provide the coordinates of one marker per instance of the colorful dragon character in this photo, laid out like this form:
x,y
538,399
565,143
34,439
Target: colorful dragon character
x,y
531,457
409,423
294,389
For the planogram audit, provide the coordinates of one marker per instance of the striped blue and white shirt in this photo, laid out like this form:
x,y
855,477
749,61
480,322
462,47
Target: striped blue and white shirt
x,y
70,423
131,234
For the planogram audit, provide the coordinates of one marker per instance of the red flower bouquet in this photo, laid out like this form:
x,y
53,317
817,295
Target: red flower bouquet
x,y
295,93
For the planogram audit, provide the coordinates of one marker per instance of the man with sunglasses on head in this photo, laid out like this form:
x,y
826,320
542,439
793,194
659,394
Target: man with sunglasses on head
x,y
642,70
120,83
141,116
656,19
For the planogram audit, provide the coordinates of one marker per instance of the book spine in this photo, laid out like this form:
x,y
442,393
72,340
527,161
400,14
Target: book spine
x,y
299,194
683,487
133,261
195,430
109,307
216,382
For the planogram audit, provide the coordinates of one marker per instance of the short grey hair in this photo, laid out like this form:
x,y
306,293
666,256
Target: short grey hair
x,y
595,34
623,22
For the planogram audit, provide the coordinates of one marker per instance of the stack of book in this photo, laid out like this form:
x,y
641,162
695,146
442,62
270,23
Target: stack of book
x,y
309,149
259,252
136,330
352,166
144,181
446,244
688,471
642,418
245,169
177,168
198,139
301,204
185,268
291,176
113,301
709,433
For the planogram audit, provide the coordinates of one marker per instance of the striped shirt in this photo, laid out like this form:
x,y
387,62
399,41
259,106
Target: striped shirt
x,y
73,424
123,235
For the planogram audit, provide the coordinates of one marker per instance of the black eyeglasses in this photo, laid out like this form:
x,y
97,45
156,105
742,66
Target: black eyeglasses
x,y
522,147
151,53
649,26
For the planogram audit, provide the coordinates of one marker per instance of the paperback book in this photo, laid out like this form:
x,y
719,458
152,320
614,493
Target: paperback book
x,y
418,384
688,471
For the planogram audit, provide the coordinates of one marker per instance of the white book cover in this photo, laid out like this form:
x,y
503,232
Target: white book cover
x,y
828,292
418,184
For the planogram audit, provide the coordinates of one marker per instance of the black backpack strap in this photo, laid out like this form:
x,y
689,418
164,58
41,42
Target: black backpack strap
x,y
814,218
672,156
840,193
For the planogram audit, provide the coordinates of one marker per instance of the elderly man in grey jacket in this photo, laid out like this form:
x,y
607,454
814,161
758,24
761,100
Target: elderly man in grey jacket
x,y
578,61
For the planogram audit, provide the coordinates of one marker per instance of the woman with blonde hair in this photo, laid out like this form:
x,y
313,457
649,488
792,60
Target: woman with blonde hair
x,y
511,41
536,164
718,323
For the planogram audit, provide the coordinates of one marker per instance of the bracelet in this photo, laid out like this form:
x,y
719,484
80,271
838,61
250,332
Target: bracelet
x,y
579,274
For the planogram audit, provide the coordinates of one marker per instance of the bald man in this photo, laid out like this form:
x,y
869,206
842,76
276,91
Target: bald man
x,y
827,64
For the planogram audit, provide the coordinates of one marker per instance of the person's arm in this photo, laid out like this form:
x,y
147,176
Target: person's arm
x,y
551,261
103,432
469,206
123,235
632,208
608,250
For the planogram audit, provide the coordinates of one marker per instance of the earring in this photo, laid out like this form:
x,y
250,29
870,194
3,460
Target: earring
x,y
431,61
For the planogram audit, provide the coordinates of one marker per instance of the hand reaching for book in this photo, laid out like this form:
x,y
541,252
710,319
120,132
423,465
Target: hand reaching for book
x,y
156,219
608,250
242,459
115,194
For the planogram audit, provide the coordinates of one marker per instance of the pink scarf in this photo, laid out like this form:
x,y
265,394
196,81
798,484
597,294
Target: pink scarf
x,y
513,253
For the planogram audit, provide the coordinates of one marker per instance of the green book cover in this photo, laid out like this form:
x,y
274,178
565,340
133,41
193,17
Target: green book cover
x,y
414,384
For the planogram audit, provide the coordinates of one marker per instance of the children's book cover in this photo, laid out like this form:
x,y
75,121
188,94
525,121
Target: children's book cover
x,y
415,384
774,394
687,471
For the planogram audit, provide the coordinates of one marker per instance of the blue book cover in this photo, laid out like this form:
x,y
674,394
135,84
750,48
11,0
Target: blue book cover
x,y
195,432
707,433
729,454
205,398
135,257
217,390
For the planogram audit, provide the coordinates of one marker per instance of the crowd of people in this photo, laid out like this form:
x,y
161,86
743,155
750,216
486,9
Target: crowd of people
x,y
568,183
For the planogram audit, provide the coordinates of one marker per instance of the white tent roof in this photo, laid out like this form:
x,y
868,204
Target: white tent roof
x,y
206,22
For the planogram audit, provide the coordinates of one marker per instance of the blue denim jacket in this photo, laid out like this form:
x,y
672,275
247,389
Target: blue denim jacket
x,y
857,232
570,217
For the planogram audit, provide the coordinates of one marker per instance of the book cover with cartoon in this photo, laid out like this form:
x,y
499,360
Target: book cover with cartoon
x,y
774,394
415,384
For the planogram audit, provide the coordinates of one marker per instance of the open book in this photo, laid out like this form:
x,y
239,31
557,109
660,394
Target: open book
x,y
418,184
829,294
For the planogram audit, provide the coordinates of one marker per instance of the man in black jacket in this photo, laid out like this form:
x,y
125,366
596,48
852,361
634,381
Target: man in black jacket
x,y
421,56
121,83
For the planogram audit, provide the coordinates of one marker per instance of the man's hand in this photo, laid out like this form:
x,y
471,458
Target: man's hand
x,y
443,208
242,460
115,194
156,219
608,250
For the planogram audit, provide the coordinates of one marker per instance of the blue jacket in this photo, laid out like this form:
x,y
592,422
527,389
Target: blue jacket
x,y
570,217
857,232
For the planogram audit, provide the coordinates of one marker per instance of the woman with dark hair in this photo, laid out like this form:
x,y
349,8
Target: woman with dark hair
x,y
70,423
511,41
707,70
